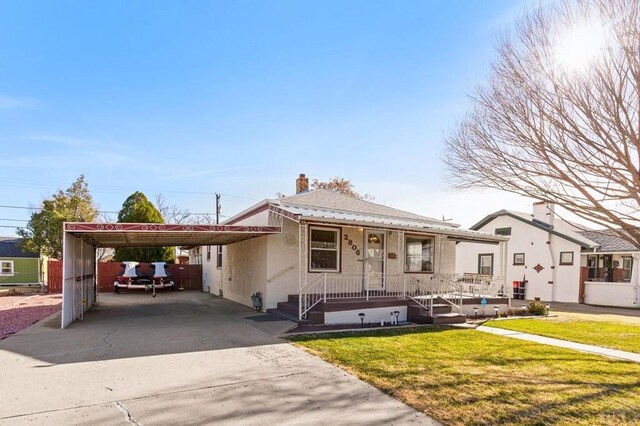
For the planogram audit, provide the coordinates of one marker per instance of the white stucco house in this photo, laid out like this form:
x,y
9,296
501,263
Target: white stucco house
x,y
339,256
556,260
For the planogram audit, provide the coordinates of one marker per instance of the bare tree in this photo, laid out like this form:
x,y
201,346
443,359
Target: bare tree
x,y
341,186
171,213
174,214
561,122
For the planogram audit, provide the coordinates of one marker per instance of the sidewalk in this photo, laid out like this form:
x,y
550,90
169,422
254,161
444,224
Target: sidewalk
x,y
611,353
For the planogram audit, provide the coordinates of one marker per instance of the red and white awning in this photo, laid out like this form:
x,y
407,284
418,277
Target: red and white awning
x,y
157,234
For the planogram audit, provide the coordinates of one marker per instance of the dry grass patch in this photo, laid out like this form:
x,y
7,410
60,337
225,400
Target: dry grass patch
x,y
466,377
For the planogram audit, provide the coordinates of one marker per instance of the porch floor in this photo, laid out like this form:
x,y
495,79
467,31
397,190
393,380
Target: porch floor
x,y
442,313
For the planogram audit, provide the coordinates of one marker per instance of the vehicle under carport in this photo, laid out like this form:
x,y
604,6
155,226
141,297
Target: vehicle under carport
x,y
81,240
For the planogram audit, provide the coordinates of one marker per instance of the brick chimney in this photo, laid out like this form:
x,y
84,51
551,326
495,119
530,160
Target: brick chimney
x,y
302,184
544,211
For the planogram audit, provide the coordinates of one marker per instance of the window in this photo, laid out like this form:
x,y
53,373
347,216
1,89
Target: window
x,y
485,264
208,253
592,265
325,249
566,258
627,267
6,267
419,254
518,258
219,257
503,231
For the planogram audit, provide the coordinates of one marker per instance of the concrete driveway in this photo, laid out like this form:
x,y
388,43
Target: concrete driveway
x,y
180,358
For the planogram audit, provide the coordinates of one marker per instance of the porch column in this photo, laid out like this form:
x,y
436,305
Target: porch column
x,y
302,263
634,276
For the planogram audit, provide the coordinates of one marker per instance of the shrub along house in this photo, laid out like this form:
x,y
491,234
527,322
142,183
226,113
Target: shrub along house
x,y
338,257
18,267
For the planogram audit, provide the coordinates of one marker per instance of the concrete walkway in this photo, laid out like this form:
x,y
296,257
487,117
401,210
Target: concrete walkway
x,y
180,358
611,353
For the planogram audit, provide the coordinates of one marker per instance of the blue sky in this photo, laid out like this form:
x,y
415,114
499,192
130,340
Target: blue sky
x,y
191,98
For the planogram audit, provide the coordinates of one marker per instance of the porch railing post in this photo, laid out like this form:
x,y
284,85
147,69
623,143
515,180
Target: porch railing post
x,y
366,285
324,297
404,287
300,304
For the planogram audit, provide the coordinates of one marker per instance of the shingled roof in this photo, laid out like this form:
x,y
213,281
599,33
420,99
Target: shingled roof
x,y
325,199
609,242
11,248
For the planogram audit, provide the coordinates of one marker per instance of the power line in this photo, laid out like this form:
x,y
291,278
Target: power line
x,y
19,207
14,220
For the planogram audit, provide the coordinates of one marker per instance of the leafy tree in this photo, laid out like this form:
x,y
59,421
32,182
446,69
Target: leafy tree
x,y
138,209
44,231
558,121
341,186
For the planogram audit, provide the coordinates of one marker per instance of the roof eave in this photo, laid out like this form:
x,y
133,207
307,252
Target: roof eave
x,y
480,237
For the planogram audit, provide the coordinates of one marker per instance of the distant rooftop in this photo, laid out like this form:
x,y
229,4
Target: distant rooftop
x,y
608,241
10,247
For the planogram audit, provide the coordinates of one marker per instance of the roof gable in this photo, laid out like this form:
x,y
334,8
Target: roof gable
x,y
568,235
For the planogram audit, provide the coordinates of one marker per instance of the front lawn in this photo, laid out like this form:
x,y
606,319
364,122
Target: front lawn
x,y
461,376
608,334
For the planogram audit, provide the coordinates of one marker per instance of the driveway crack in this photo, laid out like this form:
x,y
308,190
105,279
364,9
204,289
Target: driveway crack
x,y
126,413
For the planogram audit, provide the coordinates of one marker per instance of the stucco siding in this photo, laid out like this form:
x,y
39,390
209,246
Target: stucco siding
x,y
282,264
245,270
553,282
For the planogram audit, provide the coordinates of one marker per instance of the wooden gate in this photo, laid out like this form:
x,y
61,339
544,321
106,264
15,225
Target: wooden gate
x,y
54,276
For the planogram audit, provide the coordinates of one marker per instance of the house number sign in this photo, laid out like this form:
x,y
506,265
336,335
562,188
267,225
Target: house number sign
x,y
350,244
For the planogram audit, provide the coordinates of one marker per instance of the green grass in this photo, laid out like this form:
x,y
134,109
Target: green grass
x,y
465,377
607,334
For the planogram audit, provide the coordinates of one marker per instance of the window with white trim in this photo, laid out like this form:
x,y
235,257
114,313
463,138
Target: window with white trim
x,y
485,263
219,257
418,254
6,268
324,249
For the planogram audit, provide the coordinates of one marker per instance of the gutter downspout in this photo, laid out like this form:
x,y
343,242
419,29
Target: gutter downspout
x,y
553,268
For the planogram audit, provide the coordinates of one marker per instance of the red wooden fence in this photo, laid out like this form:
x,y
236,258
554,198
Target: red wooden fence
x,y
188,277
54,276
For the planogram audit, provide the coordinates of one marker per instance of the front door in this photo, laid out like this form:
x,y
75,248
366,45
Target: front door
x,y
374,262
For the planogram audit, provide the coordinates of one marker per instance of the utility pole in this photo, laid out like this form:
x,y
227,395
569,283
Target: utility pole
x,y
217,208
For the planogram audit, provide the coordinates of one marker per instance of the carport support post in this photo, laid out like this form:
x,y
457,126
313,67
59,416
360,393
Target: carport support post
x,y
67,279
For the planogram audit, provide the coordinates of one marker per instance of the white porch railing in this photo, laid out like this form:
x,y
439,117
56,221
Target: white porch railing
x,y
424,290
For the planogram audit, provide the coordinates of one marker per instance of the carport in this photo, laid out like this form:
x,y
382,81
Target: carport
x,y
81,240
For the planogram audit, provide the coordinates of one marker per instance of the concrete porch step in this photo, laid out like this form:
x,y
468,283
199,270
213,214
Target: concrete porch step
x,y
287,315
451,318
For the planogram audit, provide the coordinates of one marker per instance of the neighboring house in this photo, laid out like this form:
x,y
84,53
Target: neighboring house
x,y
551,258
19,267
609,273
339,256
